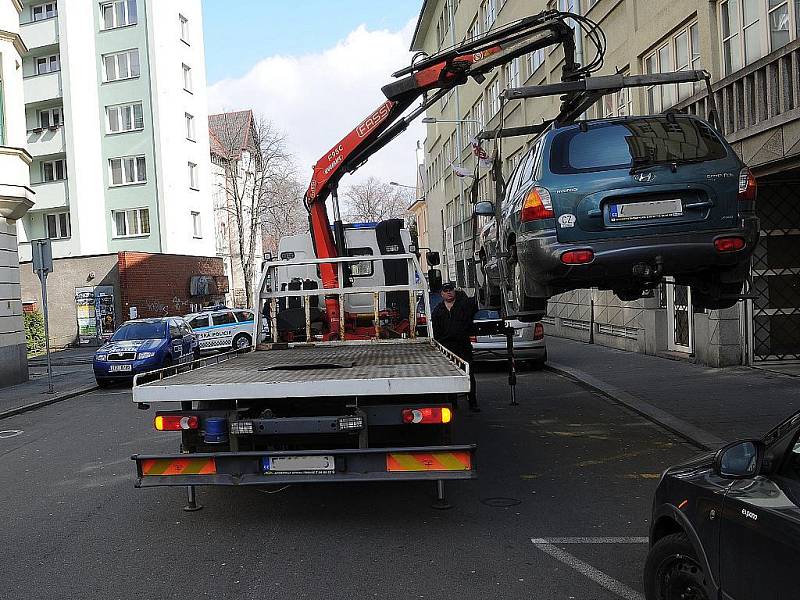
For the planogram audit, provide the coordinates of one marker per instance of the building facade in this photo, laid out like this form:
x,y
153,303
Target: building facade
x,y
752,50
16,197
115,100
115,111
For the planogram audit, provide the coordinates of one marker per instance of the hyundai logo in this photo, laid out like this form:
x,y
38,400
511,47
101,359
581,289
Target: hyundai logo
x,y
644,177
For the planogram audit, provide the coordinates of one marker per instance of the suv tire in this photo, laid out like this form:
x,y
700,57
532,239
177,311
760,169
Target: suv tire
x,y
241,342
672,571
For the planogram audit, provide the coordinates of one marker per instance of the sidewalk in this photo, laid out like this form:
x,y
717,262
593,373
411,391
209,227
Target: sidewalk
x,y
709,406
72,375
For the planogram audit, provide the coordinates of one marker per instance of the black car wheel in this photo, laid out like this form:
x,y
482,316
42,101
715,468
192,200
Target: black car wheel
x,y
672,571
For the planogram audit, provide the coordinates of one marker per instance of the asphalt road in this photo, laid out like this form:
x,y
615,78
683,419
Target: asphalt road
x,y
564,464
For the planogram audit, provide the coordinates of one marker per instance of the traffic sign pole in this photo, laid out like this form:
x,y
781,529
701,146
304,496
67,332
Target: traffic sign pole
x,y
43,264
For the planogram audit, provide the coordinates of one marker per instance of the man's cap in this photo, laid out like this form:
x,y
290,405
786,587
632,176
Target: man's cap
x,y
448,286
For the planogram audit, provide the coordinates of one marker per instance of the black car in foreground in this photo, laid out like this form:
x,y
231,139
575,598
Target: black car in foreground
x,y
727,524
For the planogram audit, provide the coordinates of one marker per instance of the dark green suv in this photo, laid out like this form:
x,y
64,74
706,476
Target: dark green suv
x,y
618,204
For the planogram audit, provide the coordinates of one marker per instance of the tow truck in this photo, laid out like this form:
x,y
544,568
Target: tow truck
x,y
334,395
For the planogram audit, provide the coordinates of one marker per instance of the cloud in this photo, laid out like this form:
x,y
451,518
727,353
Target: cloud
x,y
316,99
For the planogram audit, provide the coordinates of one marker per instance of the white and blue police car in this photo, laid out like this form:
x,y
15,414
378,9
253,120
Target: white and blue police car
x,y
222,328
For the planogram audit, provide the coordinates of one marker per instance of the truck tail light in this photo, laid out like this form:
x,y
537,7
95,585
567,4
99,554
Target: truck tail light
x,y
577,257
538,205
538,331
747,185
729,244
175,422
427,416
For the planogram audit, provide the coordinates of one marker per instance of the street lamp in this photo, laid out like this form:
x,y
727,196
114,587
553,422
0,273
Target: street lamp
x,y
437,120
394,183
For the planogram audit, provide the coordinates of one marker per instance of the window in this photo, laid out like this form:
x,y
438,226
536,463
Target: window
x,y
681,52
131,223
749,29
184,29
225,318
127,170
244,316
199,322
474,29
618,104
124,117
58,225
197,227
512,74
187,78
488,13
193,176
51,117
54,170
189,127
361,268
119,13
122,65
48,64
535,60
47,10
2,112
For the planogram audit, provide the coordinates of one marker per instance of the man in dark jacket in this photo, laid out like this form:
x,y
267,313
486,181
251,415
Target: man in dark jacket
x,y
452,327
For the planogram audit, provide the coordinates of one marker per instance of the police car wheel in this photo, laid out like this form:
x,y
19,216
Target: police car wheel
x,y
241,342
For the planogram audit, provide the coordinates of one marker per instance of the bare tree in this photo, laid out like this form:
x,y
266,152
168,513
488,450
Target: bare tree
x,y
256,165
376,200
285,214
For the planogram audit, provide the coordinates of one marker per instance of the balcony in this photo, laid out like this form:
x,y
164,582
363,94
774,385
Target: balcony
x,y
42,88
50,195
760,106
46,141
40,34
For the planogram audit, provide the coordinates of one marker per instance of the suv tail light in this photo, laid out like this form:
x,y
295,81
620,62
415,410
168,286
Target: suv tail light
x,y
577,257
538,205
175,422
747,185
538,331
427,416
729,244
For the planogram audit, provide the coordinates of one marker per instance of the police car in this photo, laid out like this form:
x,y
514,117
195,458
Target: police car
x,y
222,328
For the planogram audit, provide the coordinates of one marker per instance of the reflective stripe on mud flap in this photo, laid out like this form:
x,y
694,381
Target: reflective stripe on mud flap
x,y
178,466
436,461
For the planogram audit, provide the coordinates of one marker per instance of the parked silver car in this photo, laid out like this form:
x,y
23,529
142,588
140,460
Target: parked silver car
x,y
529,344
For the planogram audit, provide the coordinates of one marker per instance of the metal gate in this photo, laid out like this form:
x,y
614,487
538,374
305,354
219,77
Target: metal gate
x,y
776,272
679,317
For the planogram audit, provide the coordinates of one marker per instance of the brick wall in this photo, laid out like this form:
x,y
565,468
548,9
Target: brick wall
x,y
159,284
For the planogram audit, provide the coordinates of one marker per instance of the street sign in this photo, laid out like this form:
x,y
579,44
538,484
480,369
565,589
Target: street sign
x,y
42,266
42,257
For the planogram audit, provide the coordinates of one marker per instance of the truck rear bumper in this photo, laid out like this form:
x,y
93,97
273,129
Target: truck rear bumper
x,y
356,464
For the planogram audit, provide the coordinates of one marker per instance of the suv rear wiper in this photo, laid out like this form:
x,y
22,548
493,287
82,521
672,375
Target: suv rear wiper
x,y
639,164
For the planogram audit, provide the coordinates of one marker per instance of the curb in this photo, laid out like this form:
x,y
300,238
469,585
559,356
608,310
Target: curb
x,y
696,436
42,403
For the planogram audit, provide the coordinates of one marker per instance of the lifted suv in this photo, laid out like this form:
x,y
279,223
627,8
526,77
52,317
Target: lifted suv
x,y
618,204
727,525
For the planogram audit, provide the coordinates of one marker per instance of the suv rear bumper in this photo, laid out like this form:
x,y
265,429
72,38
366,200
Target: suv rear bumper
x,y
678,254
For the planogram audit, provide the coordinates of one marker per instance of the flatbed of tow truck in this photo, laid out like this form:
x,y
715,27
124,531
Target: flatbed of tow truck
x,y
369,368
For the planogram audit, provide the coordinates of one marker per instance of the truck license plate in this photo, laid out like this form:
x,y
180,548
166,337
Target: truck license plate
x,y
637,211
114,368
298,464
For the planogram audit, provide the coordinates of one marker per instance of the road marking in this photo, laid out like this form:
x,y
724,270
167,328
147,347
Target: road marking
x,y
591,540
585,569
9,433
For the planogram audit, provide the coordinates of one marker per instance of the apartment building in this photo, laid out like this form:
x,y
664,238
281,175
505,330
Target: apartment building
x,y
752,50
116,108
16,197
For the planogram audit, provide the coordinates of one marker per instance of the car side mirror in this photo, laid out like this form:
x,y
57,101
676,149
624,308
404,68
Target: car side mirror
x,y
740,460
484,209
432,258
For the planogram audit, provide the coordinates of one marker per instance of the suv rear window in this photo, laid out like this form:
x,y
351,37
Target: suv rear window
x,y
617,144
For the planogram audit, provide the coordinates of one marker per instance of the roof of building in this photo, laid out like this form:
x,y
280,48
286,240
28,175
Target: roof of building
x,y
230,133
423,22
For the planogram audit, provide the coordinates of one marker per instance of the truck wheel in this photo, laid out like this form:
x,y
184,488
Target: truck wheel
x,y
672,571
241,342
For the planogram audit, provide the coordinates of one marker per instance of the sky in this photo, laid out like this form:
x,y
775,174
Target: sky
x,y
315,69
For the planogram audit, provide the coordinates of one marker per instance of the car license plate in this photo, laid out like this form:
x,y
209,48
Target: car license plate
x,y
114,368
636,211
298,464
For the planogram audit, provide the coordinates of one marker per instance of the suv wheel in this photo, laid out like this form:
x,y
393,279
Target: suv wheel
x,y
672,571
522,304
241,342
